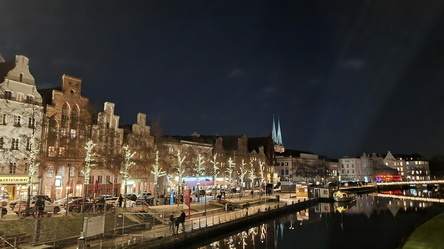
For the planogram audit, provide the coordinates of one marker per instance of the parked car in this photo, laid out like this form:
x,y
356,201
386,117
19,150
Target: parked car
x,y
198,192
62,202
145,198
110,200
129,203
76,204
49,207
44,197
132,197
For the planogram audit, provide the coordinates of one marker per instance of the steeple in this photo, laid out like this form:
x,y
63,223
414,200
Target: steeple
x,y
276,135
273,132
279,134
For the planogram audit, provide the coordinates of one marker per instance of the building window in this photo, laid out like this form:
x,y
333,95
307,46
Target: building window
x,y
99,179
17,121
50,171
51,151
62,151
62,132
3,119
31,123
108,179
71,171
2,142
29,98
65,114
60,171
28,144
116,179
73,133
12,168
74,116
15,143
91,179
8,95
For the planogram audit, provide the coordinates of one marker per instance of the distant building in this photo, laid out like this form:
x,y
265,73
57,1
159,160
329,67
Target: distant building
x,y
21,117
108,137
138,138
300,166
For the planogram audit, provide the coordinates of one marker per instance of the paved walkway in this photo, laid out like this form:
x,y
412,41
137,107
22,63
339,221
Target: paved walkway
x,y
215,214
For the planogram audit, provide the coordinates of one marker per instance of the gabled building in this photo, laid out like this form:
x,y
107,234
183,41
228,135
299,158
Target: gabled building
x,y
106,134
139,140
67,127
21,118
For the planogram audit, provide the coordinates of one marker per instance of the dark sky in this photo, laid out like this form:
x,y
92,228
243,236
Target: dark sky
x,y
345,77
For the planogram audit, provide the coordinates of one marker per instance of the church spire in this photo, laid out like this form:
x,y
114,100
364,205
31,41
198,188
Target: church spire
x,y
273,132
279,134
276,136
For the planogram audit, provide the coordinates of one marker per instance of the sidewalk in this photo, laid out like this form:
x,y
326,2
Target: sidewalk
x,y
215,214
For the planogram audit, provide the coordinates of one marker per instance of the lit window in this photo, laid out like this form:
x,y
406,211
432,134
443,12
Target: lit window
x,y
51,151
63,132
61,151
73,133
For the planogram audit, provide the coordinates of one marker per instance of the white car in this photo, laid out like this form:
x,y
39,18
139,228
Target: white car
x,y
62,202
49,207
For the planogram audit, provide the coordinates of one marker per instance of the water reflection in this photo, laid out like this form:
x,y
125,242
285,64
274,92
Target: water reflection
x,y
371,221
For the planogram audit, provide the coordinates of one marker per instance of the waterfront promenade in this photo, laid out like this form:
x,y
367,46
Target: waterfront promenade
x,y
216,214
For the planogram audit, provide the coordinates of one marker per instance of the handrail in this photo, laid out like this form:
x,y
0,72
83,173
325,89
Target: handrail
x,y
7,242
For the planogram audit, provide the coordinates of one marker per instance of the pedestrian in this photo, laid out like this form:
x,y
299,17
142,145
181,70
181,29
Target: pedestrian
x,y
172,224
176,223
40,205
182,220
120,200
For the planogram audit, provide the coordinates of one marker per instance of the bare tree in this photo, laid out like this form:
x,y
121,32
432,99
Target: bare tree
x,y
157,172
127,155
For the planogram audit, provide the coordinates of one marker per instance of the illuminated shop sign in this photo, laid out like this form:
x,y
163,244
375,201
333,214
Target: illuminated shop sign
x,y
16,180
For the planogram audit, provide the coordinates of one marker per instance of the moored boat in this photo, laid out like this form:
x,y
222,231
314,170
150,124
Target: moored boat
x,y
343,196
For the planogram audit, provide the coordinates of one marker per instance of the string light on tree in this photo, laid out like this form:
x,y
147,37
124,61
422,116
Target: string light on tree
x,y
127,155
157,172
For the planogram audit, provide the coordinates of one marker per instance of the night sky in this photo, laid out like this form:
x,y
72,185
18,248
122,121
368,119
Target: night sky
x,y
345,77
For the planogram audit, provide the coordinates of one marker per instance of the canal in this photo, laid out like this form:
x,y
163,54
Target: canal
x,y
375,220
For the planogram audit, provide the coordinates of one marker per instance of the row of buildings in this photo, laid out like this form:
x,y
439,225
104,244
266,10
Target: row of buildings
x,y
60,121
298,166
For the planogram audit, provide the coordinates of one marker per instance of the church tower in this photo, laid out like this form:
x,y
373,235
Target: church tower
x,y
276,135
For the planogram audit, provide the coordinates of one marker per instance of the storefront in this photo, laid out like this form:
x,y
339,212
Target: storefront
x,y
14,187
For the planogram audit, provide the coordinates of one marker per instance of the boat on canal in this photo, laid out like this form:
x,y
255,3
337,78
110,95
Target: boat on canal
x,y
343,196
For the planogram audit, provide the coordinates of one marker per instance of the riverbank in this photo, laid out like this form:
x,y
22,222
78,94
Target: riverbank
x,y
428,235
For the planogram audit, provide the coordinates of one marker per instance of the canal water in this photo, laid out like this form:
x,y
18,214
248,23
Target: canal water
x,y
376,220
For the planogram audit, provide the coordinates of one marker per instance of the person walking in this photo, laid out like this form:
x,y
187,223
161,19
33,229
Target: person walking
x,y
120,200
172,224
40,205
182,220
